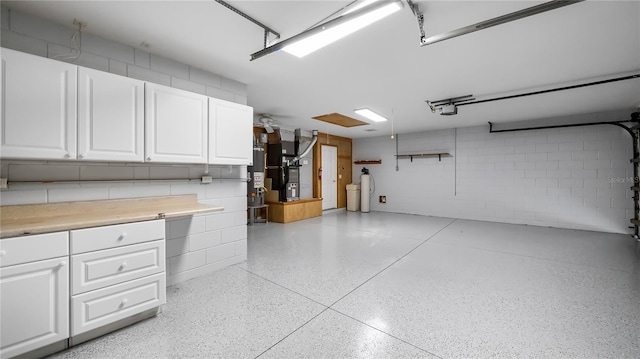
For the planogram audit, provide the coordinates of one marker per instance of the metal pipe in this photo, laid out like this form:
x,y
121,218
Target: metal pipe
x,y
308,149
551,5
629,77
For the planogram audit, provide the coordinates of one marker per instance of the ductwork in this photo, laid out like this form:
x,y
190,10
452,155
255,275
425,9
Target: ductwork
x,y
306,151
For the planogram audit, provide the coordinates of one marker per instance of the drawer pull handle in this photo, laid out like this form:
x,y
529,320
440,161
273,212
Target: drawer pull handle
x,y
3,253
123,303
123,265
63,263
122,236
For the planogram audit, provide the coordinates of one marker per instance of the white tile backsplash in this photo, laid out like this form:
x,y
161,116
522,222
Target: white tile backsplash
x,y
195,188
78,194
139,191
106,173
9,198
38,172
167,172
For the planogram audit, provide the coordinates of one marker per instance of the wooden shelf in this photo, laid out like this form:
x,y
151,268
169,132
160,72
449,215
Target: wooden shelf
x,y
423,155
368,162
636,222
635,188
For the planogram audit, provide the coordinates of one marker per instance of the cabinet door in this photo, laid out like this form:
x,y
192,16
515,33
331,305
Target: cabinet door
x,y
39,107
110,117
230,133
34,305
175,125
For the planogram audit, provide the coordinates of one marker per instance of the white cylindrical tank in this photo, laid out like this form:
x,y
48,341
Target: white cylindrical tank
x,y
365,185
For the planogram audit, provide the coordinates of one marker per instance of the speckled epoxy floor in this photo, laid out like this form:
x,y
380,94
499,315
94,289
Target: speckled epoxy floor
x,y
381,285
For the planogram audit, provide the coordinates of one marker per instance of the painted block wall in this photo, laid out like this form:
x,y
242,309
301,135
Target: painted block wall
x,y
34,35
195,245
577,178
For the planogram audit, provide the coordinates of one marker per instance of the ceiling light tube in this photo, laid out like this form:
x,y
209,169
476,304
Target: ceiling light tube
x,y
365,112
324,34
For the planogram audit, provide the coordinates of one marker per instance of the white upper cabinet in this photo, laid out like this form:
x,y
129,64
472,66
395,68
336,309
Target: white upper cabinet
x,y
110,117
175,125
39,107
230,133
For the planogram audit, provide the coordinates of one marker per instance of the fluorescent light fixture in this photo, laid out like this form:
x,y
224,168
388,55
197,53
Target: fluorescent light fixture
x,y
331,34
333,30
365,112
359,6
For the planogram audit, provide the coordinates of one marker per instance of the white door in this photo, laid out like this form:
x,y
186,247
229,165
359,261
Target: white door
x,y
175,125
230,133
34,305
39,107
329,177
110,117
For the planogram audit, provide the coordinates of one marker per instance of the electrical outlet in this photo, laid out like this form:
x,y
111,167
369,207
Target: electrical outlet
x,y
3,183
383,199
207,179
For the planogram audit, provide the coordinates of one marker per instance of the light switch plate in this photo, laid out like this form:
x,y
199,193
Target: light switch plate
x,y
3,183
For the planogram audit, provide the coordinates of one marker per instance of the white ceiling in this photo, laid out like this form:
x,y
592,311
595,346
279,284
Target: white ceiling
x,y
383,67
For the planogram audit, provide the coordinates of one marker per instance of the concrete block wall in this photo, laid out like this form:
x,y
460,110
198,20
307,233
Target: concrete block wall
x,y
195,245
30,34
576,178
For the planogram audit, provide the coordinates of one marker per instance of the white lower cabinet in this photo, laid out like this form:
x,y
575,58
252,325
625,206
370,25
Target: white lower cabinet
x,y
117,271
34,294
49,293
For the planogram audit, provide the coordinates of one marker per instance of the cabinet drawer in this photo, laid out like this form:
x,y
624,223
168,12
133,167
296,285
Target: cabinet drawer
x,y
93,239
18,250
103,306
100,269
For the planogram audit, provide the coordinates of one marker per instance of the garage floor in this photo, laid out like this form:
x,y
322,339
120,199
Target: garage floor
x,y
382,285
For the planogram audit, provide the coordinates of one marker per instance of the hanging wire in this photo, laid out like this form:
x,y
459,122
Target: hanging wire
x,y
76,46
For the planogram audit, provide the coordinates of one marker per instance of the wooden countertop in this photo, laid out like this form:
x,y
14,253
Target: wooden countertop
x,y
53,217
